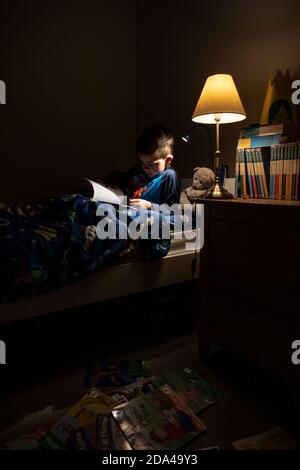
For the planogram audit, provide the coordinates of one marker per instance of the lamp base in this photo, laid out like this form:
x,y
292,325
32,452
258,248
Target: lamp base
x,y
218,192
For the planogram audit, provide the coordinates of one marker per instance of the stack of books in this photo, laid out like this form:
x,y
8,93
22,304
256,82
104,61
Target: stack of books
x,y
268,162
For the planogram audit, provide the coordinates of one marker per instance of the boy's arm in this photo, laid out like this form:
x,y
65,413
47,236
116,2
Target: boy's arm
x,y
170,191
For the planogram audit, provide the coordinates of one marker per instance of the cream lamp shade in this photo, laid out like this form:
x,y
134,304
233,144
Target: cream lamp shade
x,y
219,100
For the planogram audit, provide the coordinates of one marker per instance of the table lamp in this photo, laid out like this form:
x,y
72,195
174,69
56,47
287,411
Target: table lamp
x,y
219,103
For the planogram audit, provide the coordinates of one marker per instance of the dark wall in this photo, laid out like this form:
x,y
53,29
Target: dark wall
x,y
181,43
84,76
69,68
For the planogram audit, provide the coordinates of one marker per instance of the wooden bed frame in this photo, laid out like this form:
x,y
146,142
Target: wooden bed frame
x,y
108,283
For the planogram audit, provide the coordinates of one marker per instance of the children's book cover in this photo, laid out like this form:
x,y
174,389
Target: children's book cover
x,y
114,373
103,433
80,414
274,439
158,420
196,392
131,391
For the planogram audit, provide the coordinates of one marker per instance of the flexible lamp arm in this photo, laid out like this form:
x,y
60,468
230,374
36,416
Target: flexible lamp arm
x,y
189,133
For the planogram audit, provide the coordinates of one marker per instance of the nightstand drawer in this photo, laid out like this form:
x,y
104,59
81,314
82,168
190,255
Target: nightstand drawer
x,y
263,255
262,212
261,318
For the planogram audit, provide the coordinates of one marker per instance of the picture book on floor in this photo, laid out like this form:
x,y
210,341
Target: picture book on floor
x,y
158,420
131,391
114,373
80,414
274,439
103,433
195,391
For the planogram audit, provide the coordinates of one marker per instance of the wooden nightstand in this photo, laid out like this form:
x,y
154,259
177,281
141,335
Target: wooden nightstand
x,y
249,282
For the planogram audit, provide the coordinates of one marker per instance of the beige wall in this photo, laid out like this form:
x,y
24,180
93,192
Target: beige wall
x,y
180,43
69,68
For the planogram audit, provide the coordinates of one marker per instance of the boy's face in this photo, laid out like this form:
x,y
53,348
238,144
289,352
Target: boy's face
x,y
153,164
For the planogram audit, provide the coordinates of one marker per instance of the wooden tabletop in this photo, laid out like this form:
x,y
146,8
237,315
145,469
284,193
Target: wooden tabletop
x,y
271,202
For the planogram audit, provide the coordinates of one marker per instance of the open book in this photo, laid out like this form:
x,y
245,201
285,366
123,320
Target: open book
x,y
111,195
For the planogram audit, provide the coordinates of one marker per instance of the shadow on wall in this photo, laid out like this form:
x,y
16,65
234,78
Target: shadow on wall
x,y
67,72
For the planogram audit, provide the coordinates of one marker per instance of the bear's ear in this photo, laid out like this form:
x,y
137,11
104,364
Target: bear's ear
x,y
196,169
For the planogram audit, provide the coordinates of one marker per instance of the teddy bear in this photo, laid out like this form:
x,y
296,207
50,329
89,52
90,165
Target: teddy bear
x,y
203,180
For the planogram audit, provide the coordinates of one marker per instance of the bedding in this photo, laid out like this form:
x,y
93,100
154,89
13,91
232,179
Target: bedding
x,y
51,243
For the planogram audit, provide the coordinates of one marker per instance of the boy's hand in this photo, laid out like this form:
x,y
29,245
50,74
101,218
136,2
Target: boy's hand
x,y
140,204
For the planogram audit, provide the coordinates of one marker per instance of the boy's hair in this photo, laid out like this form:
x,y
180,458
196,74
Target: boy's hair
x,y
154,138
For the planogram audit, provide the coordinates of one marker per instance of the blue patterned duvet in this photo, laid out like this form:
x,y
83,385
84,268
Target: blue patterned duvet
x,y
46,245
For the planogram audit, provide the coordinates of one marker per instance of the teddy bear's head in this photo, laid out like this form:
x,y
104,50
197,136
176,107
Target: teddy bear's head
x,y
203,178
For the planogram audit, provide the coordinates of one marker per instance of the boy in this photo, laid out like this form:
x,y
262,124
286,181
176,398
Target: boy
x,y
152,181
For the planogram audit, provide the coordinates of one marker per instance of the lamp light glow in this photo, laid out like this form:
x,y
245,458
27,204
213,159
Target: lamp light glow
x,y
219,103
220,98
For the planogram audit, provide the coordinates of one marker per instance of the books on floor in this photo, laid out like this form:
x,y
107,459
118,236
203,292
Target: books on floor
x,y
158,420
133,390
82,413
107,373
150,413
192,388
274,439
102,433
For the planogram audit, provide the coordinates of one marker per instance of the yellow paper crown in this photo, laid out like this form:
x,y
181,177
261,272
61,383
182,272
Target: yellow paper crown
x,y
278,106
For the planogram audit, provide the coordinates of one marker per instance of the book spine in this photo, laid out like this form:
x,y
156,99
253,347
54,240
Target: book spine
x,y
249,172
266,156
276,158
277,153
243,175
275,182
297,170
255,192
268,172
292,186
288,173
283,150
263,175
271,180
280,170
257,167
237,172
257,174
293,191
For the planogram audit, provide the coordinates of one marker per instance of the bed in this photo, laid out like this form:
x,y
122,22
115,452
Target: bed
x,y
120,279
110,282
